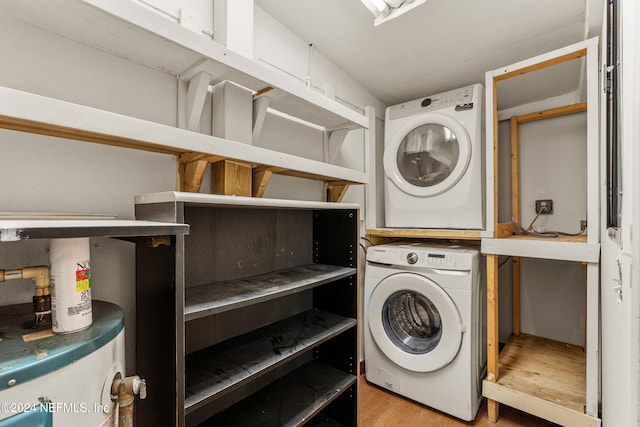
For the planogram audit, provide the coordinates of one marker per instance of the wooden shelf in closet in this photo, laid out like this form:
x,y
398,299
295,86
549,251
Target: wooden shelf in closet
x,y
27,112
292,400
567,248
137,33
246,357
542,377
383,235
205,300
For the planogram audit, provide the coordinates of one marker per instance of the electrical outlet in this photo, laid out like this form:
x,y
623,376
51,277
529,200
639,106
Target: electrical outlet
x,y
544,206
583,224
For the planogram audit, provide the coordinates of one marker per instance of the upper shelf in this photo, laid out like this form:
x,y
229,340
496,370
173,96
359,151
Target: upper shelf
x,y
129,30
217,200
27,112
23,229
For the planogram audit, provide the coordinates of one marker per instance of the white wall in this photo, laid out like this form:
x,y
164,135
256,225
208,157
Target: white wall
x,y
553,166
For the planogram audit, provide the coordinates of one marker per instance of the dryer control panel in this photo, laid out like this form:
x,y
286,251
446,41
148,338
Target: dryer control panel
x,y
462,99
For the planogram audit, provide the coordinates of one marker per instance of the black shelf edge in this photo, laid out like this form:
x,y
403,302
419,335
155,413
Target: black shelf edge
x,y
291,400
322,420
205,300
217,370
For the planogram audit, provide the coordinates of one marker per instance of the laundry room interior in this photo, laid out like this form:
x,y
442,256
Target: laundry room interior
x,y
319,212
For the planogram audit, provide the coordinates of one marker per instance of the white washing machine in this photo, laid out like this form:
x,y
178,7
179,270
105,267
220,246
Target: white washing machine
x,y
433,161
424,333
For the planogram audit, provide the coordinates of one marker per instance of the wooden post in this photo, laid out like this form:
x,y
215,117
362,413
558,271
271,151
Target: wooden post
x,y
515,170
492,331
516,295
231,178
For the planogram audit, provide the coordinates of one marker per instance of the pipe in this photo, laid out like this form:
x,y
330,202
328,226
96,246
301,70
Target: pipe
x,y
42,295
126,389
40,274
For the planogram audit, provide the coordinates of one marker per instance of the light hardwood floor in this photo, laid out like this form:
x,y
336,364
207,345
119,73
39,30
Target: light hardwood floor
x,y
381,408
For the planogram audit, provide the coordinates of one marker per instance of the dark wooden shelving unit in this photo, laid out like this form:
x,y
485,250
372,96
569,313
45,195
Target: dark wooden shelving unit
x,y
256,309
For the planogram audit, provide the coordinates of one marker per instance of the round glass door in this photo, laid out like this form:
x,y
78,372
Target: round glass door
x,y
412,322
427,155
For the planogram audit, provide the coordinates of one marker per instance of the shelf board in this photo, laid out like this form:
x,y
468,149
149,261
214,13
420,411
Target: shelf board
x,y
132,31
217,370
543,377
292,400
567,248
419,233
205,300
216,200
27,112
17,229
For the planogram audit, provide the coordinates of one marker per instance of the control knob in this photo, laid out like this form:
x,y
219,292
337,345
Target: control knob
x,y
412,258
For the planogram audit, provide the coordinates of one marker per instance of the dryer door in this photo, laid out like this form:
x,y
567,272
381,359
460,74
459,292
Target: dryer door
x,y
415,322
427,155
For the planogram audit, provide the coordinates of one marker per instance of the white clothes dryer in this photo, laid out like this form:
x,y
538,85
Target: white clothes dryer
x,y
424,332
433,161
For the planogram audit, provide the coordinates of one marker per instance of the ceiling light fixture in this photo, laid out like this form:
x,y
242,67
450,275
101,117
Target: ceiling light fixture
x,y
384,10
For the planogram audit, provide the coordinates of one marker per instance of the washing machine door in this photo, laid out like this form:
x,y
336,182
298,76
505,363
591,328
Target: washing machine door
x,y
414,322
427,155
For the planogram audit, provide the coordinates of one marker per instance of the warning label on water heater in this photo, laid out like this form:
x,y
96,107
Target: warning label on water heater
x,y
83,277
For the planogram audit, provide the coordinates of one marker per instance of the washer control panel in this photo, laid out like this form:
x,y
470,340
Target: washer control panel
x,y
444,258
432,259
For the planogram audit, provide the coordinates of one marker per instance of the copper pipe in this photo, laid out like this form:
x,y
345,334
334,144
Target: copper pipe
x,y
42,295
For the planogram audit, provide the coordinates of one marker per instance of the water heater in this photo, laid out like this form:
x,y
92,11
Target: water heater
x,y
60,380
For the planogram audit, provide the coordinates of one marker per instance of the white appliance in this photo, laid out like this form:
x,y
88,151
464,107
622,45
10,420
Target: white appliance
x,y
424,333
433,161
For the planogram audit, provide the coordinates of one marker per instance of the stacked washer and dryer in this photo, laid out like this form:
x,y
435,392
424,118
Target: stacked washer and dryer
x,y
425,327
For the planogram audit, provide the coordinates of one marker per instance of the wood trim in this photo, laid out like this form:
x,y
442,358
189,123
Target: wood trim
x,y
551,112
421,233
259,182
335,193
535,406
57,131
263,91
495,159
541,65
193,176
504,229
191,157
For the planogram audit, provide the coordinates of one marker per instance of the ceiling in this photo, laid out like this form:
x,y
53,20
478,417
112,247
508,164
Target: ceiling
x,y
440,45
